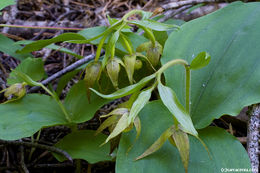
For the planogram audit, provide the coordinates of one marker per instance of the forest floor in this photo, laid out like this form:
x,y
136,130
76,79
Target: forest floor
x,y
78,14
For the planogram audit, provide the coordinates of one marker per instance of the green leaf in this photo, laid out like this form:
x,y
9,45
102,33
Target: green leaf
x,y
181,141
200,61
108,122
7,46
76,103
231,80
142,99
37,45
155,120
157,144
119,128
84,145
65,79
127,90
92,32
6,3
171,101
32,67
26,116
53,47
154,25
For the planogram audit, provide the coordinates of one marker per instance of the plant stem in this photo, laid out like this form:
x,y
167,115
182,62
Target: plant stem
x,y
127,45
150,35
172,63
187,88
100,45
131,13
59,103
41,27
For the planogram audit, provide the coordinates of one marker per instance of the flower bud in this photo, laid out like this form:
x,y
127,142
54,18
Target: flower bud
x,y
17,90
138,64
143,47
153,53
129,61
113,69
92,74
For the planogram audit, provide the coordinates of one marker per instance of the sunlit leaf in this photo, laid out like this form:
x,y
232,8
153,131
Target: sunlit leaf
x,y
127,90
108,122
154,25
171,101
139,103
157,144
120,127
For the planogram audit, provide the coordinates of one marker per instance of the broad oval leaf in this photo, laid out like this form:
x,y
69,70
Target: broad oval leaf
x,y
84,145
78,106
26,116
200,61
223,147
32,67
127,90
171,101
231,80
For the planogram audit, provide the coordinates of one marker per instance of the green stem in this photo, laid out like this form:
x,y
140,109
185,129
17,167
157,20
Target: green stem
x,y
59,103
41,27
127,45
100,45
187,86
131,13
150,35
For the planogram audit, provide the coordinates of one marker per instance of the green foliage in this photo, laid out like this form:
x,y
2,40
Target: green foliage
x,y
32,67
155,120
84,145
234,71
6,3
205,64
7,46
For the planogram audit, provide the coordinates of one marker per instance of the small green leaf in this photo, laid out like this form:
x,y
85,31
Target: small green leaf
x,y
181,140
171,101
154,25
37,45
84,145
53,47
118,111
139,103
7,46
107,123
90,33
200,61
18,90
120,127
32,67
157,144
127,90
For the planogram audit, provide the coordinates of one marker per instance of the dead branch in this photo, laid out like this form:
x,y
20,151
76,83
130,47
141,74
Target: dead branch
x,y
253,136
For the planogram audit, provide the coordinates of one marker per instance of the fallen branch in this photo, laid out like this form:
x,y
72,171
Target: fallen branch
x,y
35,145
253,136
179,4
64,71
